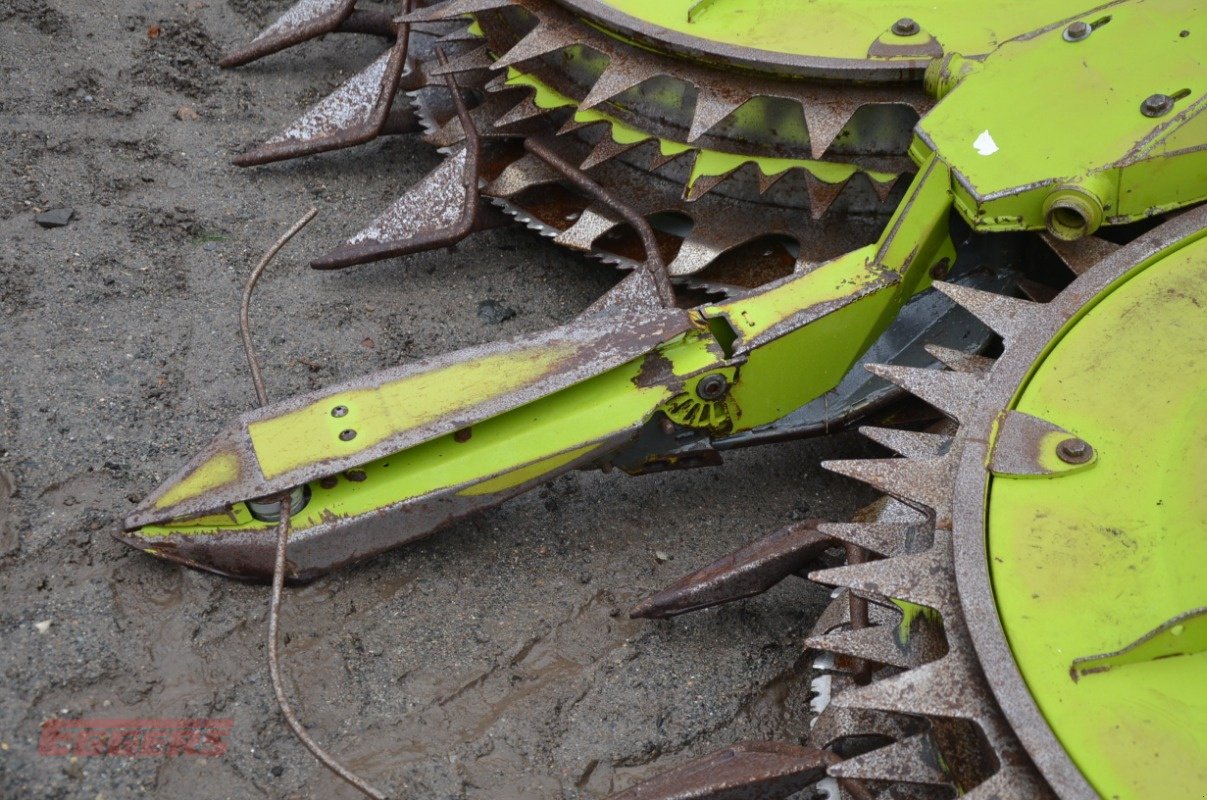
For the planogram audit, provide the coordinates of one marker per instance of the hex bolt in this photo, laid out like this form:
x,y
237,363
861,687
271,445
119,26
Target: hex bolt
x,y
1156,105
1077,31
712,387
339,411
905,27
347,435
1074,451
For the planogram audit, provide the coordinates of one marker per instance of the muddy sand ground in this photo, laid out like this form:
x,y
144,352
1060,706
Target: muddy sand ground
x,y
495,659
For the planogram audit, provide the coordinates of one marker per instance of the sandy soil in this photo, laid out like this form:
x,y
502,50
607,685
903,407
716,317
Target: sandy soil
x,y
493,660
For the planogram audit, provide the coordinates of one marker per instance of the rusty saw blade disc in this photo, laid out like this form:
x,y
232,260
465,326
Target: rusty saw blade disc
x,y
944,659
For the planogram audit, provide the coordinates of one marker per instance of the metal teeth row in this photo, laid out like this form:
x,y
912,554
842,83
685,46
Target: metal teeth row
x,y
718,224
711,94
927,692
361,109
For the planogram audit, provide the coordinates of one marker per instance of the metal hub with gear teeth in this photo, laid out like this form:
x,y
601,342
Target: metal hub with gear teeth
x,y
1046,644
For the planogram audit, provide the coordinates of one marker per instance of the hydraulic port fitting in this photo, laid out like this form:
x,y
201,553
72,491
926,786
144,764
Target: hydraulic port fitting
x,y
1072,212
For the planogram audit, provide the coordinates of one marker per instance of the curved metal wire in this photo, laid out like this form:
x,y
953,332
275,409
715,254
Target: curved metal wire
x,y
278,571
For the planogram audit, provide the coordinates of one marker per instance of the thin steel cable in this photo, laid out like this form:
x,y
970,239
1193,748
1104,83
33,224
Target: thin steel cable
x,y
278,570
257,377
274,666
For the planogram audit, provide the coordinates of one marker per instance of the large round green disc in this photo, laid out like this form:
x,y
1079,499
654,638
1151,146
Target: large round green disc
x,y
836,38
1092,561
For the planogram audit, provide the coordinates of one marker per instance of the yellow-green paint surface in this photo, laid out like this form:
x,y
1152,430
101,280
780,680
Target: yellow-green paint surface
x,y
310,434
501,452
1084,126
707,162
841,29
220,470
1091,560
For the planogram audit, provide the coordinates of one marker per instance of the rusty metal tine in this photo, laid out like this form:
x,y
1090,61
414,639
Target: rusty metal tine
x,y
267,43
746,572
467,220
653,258
739,772
364,131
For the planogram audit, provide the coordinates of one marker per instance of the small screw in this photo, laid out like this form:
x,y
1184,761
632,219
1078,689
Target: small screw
x,y
712,387
941,269
462,436
1077,31
339,411
355,475
329,482
1156,105
1074,451
905,27
347,435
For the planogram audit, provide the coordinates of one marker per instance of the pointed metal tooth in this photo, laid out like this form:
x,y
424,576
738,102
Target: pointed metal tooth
x,y
921,578
924,481
606,149
303,20
747,769
839,722
924,690
523,173
711,108
884,188
1010,783
572,124
703,185
477,59
618,77
1007,316
591,224
704,244
525,109
539,41
821,194
636,293
826,120
952,393
748,571
432,204
911,444
767,181
499,84
694,255
882,538
959,361
349,106
660,159
453,8
877,644
835,615
913,760
1081,254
